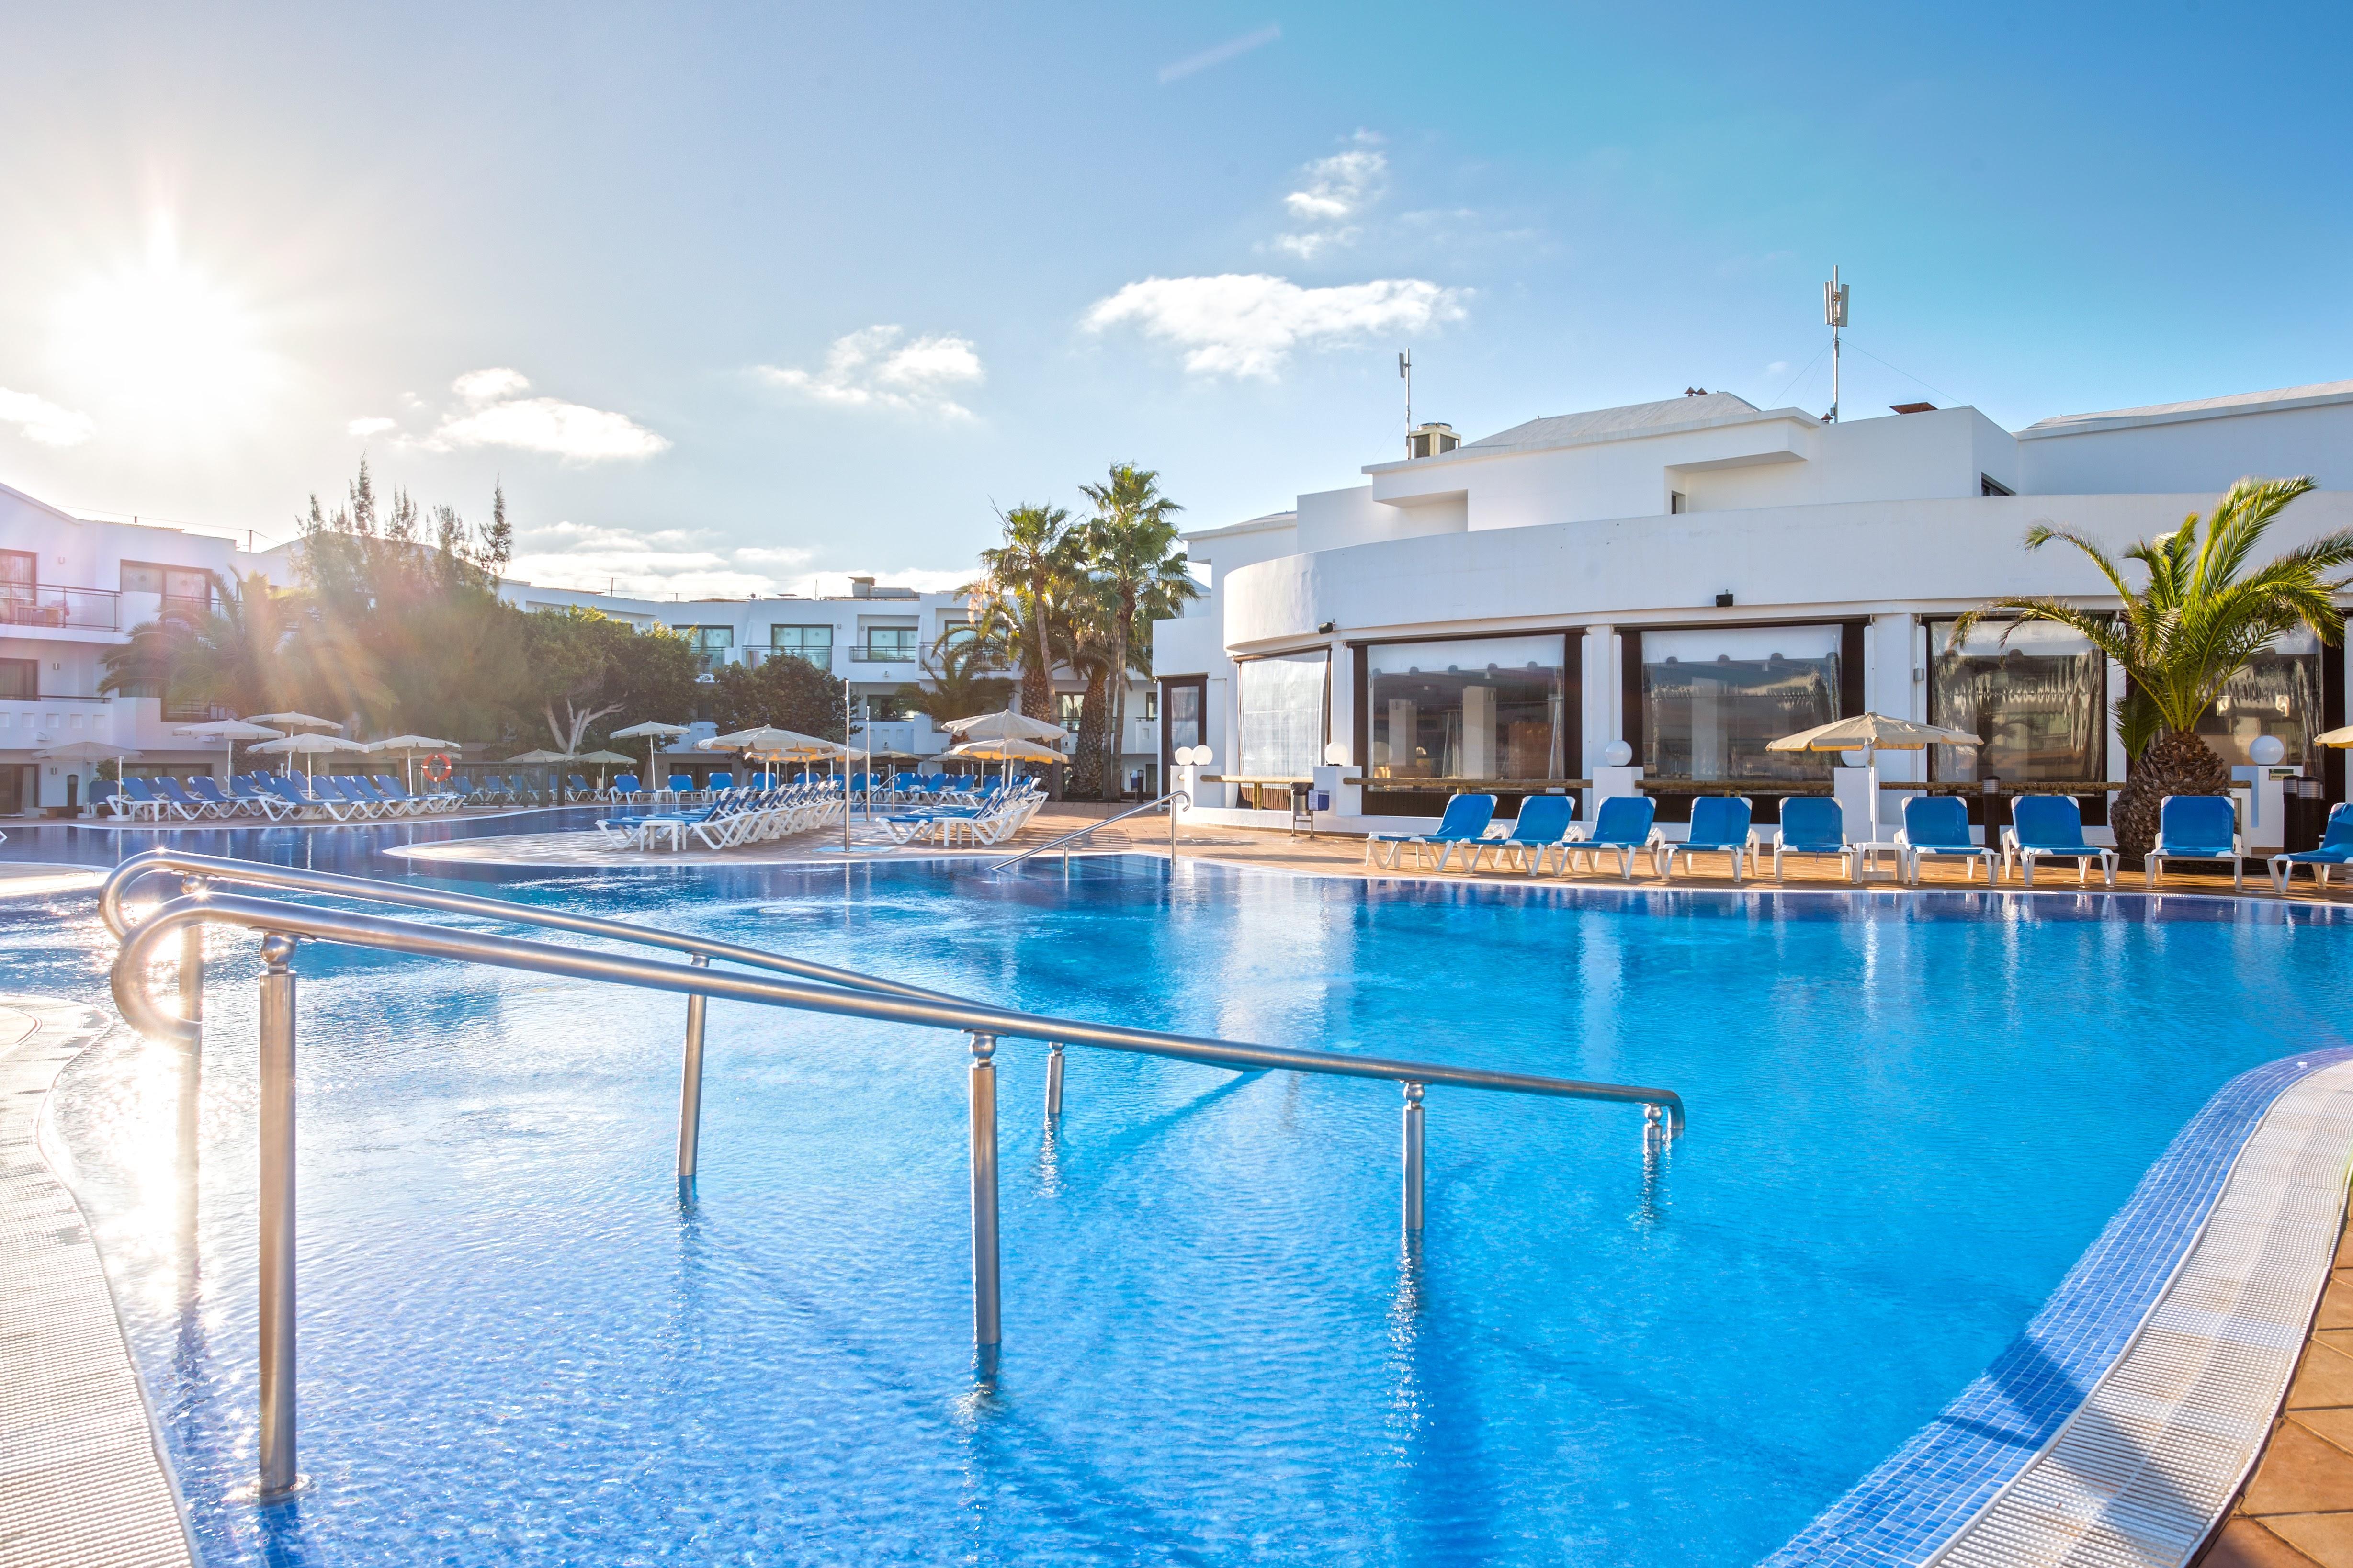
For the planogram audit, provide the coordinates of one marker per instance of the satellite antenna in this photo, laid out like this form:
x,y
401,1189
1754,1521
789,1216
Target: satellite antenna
x,y
1405,369
1834,318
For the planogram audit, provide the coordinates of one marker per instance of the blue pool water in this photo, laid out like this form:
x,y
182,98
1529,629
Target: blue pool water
x,y
1907,1119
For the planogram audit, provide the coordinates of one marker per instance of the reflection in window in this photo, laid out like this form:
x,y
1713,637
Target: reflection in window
x,y
1184,716
1282,717
1712,699
1489,708
812,644
2278,693
712,645
2039,699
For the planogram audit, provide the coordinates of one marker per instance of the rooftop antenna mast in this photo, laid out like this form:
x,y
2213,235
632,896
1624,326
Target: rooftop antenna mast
x,y
1834,318
1405,369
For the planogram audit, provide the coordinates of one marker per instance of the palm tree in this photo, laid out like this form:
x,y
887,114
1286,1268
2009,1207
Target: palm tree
x,y
1140,575
963,675
233,657
2199,618
1019,600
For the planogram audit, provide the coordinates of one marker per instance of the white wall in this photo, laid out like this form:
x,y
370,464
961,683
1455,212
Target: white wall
x,y
2210,451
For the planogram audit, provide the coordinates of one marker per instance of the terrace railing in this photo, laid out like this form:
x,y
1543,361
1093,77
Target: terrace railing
x,y
28,604
283,924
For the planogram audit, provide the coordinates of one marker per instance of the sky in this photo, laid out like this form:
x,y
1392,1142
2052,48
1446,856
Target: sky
x,y
745,300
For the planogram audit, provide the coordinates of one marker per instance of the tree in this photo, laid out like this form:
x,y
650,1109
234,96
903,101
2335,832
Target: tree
x,y
2198,620
582,667
781,691
963,675
1090,647
1020,598
235,656
1134,560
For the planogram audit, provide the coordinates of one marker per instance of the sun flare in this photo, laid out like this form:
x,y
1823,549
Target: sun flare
x,y
164,343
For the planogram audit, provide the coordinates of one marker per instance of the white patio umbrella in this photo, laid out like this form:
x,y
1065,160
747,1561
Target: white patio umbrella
x,y
87,752
1007,750
306,747
1005,726
411,744
550,761
602,761
1872,733
652,730
295,722
230,730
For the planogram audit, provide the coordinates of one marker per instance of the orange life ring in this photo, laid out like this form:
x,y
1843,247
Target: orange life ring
x,y
437,768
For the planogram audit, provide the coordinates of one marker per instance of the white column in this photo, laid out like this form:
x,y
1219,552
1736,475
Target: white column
x,y
1479,732
1889,689
1599,699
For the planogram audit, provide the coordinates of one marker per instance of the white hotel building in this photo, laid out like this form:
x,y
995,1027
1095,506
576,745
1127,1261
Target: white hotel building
x,y
1697,576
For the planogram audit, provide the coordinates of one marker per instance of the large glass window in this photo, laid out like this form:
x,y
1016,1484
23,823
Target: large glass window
x,y
1712,699
888,642
1183,714
814,644
1489,708
2039,699
712,643
20,679
1283,715
2278,693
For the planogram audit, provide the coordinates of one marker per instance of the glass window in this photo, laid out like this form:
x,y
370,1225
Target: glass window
x,y
891,642
1152,704
141,577
1282,715
712,643
2040,701
20,679
1489,708
1712,699
17,569
1069,706
2278,693
814,644
1184,716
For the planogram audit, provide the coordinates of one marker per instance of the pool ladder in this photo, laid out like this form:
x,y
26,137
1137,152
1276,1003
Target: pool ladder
x,y
813,987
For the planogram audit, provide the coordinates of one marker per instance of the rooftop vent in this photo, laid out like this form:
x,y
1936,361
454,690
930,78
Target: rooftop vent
x,y
1430,441
1695,391
1913,408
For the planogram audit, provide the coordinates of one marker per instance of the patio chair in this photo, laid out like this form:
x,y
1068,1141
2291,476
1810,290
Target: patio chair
x,y
1939,824
2336,849
719,783
624,787
389,786
188,804
351,791
2198,827
2051,827
1465,822
145,801
106,794
580,786
207,790
283,788
1626,825
680,785
1814,825
1719,825
1542,826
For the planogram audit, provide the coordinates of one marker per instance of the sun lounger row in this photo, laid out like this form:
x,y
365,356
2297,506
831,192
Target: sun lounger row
x,y
993,815
271,797
739,816
2042,827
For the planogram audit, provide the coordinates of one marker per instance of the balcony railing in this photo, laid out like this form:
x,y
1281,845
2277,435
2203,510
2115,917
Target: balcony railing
x,y
96,609
821,657
881,653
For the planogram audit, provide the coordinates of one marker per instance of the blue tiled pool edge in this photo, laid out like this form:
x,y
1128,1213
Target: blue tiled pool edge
x,y
1921,1497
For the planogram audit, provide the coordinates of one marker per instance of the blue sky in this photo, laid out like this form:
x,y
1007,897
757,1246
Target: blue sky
x,y
732,297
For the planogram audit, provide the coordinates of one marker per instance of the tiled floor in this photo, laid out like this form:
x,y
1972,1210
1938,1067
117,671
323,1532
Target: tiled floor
x,y
2297,1512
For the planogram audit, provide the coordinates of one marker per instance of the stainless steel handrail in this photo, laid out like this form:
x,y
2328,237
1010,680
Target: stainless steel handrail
x,y
281,923
216,869
1090,829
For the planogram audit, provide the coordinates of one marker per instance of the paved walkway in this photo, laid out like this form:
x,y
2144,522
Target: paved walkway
x,y
81,1482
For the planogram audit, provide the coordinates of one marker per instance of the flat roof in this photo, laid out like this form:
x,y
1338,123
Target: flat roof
x,y
2318,394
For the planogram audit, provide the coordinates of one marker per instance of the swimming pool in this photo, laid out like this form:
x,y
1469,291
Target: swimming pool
x,y
1908,1118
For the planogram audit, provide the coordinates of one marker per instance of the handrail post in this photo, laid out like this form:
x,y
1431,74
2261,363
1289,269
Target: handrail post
x,y
987,1328
1413,1159
689,1089
192,973
1055,1080
277,1207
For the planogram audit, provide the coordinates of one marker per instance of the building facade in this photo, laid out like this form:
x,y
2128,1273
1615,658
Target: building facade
x,y
1690,579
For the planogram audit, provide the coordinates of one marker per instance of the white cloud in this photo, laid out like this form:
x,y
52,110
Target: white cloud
x,y
38,419
1332,192
1219,54
1248,323
665,562
497,415
373,426
873,368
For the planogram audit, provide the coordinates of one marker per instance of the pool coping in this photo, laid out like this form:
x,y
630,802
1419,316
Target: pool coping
x,y
83,1476
2098,1434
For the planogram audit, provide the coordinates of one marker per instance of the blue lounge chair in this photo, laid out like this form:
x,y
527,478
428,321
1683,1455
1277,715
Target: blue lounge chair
x,y
2198,827
1719,824
1626,824
1939,824
1813,824
1542,826
2051,827
207,790
719,784
626,786
145,800
106,794
2336,849
680,785
186,804
1465,822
